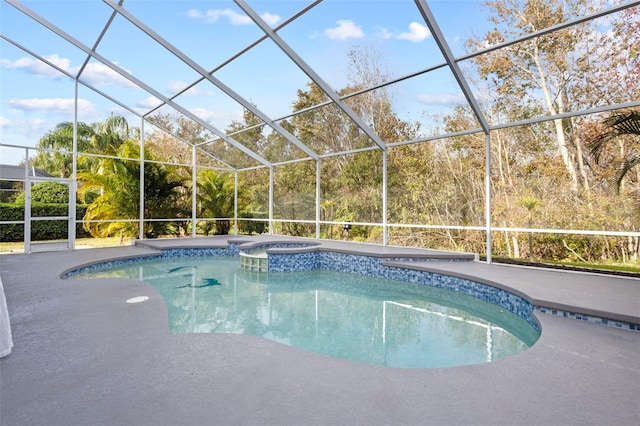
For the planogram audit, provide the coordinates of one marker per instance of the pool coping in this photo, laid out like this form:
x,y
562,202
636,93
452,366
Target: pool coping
x,y
284,256
512,279
541,303
84,356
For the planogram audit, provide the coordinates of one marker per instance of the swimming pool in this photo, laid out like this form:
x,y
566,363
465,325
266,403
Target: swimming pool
x,y
356,317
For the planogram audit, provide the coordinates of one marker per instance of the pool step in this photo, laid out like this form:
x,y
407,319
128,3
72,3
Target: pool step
x,y
257,261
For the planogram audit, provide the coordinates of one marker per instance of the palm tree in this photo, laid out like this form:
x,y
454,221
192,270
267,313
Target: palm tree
x,y
110,133
618,126
97,138
60,164
216,192
119,185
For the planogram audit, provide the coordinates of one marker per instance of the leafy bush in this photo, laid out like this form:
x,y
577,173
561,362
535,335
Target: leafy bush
x,y
249,226
41,230
47,192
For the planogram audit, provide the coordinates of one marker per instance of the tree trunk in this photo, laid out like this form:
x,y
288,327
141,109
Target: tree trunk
x,y
562,141
580,160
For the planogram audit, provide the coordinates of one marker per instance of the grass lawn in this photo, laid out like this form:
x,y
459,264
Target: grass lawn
x,y
80,242
115,241
621,269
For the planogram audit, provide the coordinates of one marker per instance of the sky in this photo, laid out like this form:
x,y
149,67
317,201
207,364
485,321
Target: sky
x,y
34,97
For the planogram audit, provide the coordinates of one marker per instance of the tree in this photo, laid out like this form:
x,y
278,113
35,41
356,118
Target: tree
x,y
559,71
294,195
584,66
623,130
60,164
216,194
369,68
47,192
96,138
119,186
171,137
351,186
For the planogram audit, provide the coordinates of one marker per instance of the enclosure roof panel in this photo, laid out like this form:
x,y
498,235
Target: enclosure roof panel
x,y
249,73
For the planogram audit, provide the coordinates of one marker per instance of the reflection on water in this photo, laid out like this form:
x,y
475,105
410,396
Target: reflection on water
x,y
359,318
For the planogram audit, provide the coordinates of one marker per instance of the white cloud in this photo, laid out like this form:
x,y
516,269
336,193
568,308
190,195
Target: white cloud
x,y
25,132
270,18
28,126
100,74
212,16
63,63
37,67
234,17
345,29
95,73
441,99
217,118
485,44
175,86
384,34
195,14
417,32
149,102
205,114
64,105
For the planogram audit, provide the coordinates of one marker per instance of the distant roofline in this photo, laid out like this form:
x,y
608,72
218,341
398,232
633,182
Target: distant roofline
x,y
17,173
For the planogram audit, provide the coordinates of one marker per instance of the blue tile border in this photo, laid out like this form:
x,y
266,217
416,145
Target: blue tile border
x,y
251,247
373,266
350,263
231,250
588,318
308,257
108,264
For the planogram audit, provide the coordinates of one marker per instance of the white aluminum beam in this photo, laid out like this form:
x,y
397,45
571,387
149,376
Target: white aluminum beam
x,y
73,185
597,110
310,72
27,205
385,228
235,202
246,49
98,40
548,30
451,61
487,196
213,80
141,195
318,198
194,191
134,80
60,70
271,199
198,146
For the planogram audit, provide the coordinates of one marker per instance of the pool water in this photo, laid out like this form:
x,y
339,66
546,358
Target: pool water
x,y
360,318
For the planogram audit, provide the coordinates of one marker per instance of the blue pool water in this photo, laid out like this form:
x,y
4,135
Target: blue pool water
x,y
360,318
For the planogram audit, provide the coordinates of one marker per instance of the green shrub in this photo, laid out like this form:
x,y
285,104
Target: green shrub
x,y
47,192
40,230
250,227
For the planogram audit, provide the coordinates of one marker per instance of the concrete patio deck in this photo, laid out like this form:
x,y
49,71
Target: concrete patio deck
x,y
82,355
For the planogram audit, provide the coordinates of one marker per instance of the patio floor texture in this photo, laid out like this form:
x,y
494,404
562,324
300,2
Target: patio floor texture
x,y
82,356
